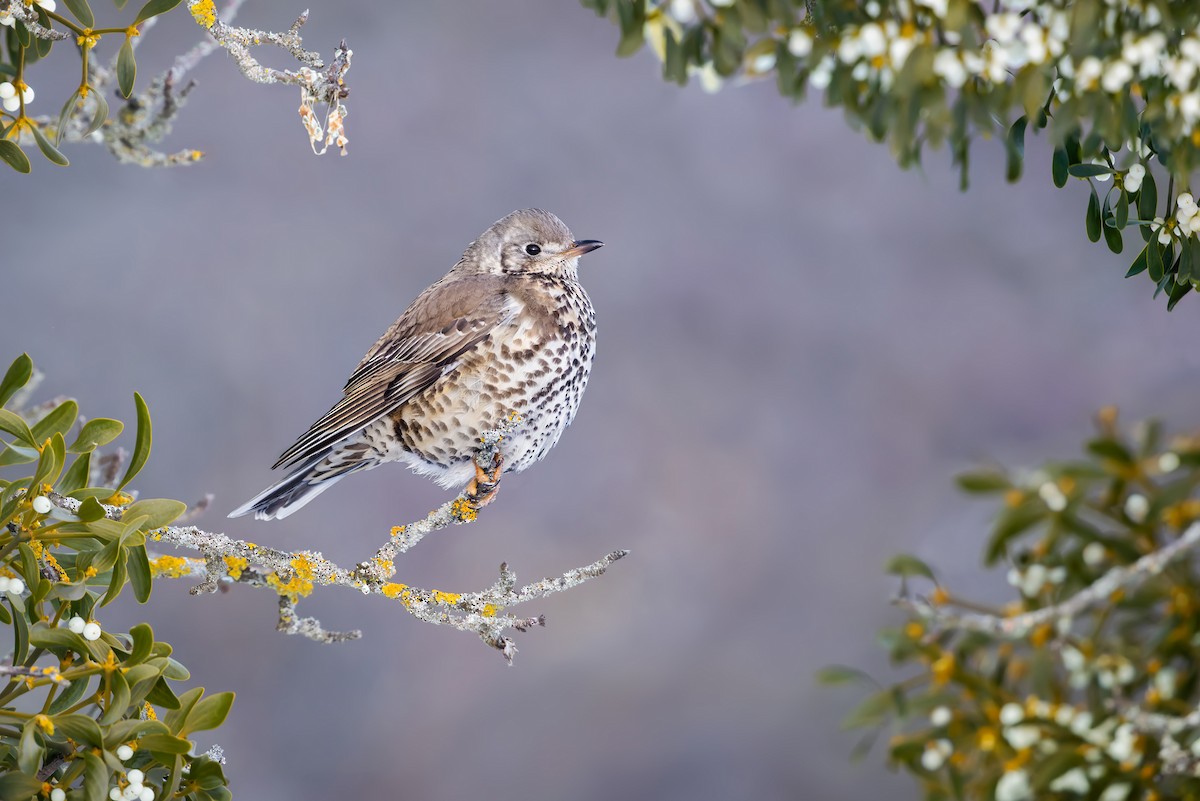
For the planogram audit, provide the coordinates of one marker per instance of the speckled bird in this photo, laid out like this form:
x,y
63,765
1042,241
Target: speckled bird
x,y
508,331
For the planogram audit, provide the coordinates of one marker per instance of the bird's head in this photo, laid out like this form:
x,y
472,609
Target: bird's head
x,y
529,241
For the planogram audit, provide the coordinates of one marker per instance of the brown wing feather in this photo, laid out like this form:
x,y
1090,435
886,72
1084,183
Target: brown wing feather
x,y
444,322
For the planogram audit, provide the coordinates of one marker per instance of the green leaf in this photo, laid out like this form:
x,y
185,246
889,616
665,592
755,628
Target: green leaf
x,y
126,68
95,778
63,116
20,633
1154,261
1089,170
1093,217
17,427
1010,524
82,12
981,481
12,155
1058,167
1121,211
908,565
19,786
15,377
1176,294
1147,202
207,774
57,421
77,474
52,153
1107,448
165,743
177,718
141,445
96,433
90,510
209,713
143,638
51,462
139,573
67,698
1015,149
162,695
80,728
57,640
632,19
125,730
119,704
158,511
154,8
119,574
1140,263
1112,235
873,711
29,753
834,675
99,115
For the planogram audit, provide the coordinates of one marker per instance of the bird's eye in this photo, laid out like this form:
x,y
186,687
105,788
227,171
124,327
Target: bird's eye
x,y
532,249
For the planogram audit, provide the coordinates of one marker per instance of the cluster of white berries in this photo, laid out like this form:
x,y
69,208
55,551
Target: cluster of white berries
x,y
1022,728
89,630
938,751
14,585
1186,222
134,790
11,99
1016,33
1034,578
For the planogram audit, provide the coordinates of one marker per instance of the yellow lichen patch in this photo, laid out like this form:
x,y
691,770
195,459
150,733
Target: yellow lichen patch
x,y
234,565
171,566
489,610
463,510
398,530
384,567
942,669
448,598
45,724
392,589
299,585
205,13
119,498
1041,635
148,713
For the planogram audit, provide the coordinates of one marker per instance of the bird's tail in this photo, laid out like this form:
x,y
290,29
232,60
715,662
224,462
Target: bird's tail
x,y
299,487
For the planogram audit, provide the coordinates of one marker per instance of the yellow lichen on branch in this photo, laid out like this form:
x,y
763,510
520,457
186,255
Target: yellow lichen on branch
x,y
205,13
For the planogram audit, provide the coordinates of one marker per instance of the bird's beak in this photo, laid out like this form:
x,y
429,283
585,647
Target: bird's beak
x,y
579,247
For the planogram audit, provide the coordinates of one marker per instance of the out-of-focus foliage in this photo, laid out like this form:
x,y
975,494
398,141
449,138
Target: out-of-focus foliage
x,y
23,46
80,706
1117,85
1071,709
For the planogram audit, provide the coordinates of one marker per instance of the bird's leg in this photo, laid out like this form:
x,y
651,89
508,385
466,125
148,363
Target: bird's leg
x,y
483,488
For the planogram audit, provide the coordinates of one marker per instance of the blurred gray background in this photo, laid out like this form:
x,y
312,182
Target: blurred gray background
x,y
799,346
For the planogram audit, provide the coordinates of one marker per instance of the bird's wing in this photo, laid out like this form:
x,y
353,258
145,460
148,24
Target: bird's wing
x,y
446,321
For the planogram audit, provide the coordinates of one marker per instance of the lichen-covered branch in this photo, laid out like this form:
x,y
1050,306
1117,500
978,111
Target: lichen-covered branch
x,y
1123,577
319,84
294,575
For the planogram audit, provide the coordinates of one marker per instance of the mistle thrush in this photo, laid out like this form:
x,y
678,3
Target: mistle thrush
x,y
507,332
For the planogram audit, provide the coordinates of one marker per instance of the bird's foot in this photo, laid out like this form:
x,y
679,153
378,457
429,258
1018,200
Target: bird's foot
x,y
483,488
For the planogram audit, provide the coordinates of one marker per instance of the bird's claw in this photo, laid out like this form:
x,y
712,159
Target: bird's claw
x,y
483,488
